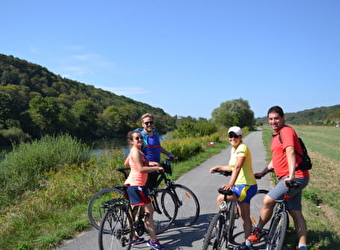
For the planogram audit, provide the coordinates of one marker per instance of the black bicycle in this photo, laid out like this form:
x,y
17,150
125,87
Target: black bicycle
x,y
280,221
120,222
174,204
221,227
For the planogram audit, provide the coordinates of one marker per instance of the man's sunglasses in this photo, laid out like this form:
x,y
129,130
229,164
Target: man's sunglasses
x,y
233,136
148,123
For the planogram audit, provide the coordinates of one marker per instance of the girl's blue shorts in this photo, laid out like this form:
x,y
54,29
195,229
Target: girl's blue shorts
x,y
138,196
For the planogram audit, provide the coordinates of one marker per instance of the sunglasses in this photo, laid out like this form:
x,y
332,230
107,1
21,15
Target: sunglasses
x,y
137,138
148,123
235,136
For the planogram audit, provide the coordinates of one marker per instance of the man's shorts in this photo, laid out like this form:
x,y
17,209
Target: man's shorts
x,y
244,192
294,203
138,196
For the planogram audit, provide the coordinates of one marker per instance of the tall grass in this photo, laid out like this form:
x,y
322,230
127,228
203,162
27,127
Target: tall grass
x,y
24,168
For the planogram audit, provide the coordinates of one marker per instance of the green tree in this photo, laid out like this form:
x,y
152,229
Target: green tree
x,y
44,112
234,112
5,108
85,114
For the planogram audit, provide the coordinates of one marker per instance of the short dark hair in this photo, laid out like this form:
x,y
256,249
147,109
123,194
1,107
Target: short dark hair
x,y
276,109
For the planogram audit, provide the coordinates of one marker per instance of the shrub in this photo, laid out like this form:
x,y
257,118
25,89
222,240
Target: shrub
x,y
24,168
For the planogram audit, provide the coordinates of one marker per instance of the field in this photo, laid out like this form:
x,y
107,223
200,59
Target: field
x,y
321,205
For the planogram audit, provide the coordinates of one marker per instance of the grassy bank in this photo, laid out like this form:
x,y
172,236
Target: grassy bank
x,y
321,207
57,211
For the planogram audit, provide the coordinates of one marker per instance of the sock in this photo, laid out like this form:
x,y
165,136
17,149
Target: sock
x,y
303,246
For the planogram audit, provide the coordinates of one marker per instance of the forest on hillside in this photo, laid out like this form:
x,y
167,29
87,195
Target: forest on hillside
x,y
35,102
321,116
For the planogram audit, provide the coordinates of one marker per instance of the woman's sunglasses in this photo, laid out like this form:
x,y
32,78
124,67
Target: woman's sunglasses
x,y
233,136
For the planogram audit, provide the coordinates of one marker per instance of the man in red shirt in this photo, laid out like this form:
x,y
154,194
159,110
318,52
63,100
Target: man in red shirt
x,y
284,162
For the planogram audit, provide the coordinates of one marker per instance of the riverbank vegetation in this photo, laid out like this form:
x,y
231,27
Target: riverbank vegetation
x,y
55,207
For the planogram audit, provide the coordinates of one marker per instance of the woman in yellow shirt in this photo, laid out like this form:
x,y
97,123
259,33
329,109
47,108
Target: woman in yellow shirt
x,y
242,181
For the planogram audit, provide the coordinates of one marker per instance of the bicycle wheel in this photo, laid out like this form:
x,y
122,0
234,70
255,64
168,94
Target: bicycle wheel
x,y
115,229
277,231
232,208
256,205
96,209
215,238
165,209
188,205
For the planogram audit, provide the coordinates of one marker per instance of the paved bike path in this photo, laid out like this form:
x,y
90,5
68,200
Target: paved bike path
x,y
205,186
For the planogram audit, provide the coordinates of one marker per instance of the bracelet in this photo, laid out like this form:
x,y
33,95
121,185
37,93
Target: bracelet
x,y
169,153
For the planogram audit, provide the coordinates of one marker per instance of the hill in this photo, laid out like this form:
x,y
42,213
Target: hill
x,y
327,116
36,102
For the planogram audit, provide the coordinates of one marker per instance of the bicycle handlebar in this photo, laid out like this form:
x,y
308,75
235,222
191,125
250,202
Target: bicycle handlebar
x,y
222,172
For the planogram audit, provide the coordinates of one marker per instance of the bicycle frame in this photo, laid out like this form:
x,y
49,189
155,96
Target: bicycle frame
x,y
279,222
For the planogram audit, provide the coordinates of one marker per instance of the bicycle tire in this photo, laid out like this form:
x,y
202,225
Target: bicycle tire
x,y
165,210
115,231
256,205
215,237
187,203
232,208
277,231
95,209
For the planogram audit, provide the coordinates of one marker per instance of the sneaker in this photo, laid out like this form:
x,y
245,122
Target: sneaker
x,y
243,246
155,245
137,241
255,236
302,248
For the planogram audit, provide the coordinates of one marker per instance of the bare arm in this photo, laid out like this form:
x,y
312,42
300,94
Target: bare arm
x,y
265,171
137,158
290,154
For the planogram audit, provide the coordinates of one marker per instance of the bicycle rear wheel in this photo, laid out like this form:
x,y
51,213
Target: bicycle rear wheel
x,y
277,231
216,238
188,205
96,208
165,209
115,231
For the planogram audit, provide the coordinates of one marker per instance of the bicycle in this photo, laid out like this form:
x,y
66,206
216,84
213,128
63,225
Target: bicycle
x,y
221,227
280,221
175,201
120,222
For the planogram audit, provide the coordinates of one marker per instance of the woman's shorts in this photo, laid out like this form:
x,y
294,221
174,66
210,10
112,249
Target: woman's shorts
x,y
244,192
294,203
138,196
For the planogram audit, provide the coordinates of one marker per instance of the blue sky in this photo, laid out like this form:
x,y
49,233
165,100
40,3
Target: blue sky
x,y
186,56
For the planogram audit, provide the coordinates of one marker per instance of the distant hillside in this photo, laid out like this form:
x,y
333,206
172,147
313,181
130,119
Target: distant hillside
x,y
329,116
35,102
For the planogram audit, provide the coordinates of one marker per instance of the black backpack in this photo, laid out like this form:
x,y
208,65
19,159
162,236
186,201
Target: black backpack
x,y
306,163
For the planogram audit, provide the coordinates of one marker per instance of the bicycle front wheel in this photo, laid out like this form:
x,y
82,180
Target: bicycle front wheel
x,y
277,231
165,209
256,205
232,216
115,231
96,208
216,237
187,203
